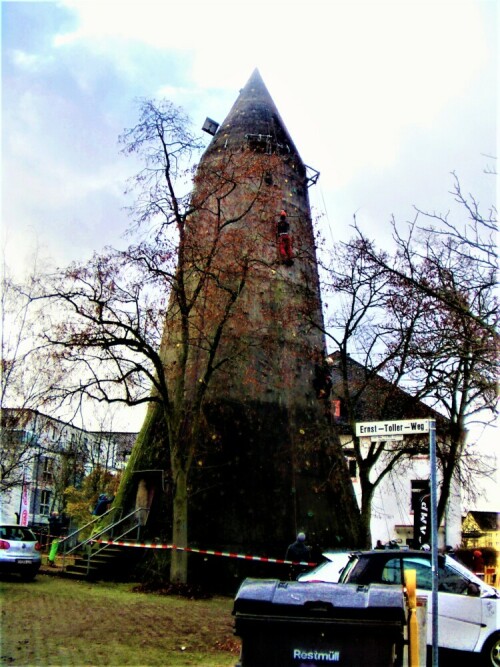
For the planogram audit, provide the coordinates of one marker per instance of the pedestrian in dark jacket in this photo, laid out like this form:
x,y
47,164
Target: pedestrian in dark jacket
x,y
298,552
102,505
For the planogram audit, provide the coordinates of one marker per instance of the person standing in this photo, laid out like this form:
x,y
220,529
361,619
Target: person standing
x,y
102,505
298,552
478,563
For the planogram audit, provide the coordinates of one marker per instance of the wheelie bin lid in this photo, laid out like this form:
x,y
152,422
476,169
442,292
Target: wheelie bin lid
x,y
272,597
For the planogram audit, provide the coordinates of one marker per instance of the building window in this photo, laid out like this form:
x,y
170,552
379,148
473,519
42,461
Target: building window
x,y
351,462
47,470
45,502
336,408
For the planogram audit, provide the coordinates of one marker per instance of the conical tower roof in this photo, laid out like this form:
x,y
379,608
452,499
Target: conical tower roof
x,y
254,122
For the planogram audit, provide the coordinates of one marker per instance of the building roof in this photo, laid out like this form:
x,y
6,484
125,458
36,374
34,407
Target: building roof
x,y
486,521
254,121
17,419
378,398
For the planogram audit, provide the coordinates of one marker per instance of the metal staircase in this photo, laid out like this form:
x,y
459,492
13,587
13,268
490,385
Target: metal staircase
x,y
91,553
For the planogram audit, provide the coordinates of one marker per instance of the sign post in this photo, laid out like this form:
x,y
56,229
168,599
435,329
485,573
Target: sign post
x,y
434,544
387,430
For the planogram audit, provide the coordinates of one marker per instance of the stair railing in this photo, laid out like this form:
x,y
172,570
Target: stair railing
x,y
68,539
106,530
116,538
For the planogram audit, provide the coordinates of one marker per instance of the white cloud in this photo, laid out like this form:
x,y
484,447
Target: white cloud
x,y
362,71
160,25
25,60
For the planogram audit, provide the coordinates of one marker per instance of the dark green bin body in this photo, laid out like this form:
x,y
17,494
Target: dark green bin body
x,y
295,624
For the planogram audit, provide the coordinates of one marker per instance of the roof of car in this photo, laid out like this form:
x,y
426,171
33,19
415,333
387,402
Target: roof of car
x,y
13,526
385,552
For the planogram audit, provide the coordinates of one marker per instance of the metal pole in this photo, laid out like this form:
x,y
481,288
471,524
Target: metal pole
x,y
35,499
434,540
21,498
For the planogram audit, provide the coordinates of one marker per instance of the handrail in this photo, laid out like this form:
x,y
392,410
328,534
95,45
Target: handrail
x,y
95,536
117,537
66,538
92,522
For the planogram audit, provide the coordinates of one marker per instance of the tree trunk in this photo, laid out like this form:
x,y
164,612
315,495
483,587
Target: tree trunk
x,y
450,462
367,489
178,566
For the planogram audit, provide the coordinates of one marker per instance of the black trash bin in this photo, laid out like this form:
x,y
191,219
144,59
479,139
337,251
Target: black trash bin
x,y
299,624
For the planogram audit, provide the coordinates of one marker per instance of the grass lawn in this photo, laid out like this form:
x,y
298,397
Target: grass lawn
x,y
55,621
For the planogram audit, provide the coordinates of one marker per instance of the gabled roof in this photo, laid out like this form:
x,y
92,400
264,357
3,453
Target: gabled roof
x,y
486,521
379,399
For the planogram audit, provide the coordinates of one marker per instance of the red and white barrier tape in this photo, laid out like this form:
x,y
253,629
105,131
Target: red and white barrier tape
x,y
206,552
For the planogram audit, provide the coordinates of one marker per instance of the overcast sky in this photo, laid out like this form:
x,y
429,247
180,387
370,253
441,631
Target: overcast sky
x,y
384,99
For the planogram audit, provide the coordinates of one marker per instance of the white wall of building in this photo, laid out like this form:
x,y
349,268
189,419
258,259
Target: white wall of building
x,y
48,439
10,503
392,515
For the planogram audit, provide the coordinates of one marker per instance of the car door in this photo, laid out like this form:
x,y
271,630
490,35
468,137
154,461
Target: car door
x,y
459,604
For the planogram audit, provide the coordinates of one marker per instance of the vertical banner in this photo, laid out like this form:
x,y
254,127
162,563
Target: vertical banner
x,y
422,517
24,513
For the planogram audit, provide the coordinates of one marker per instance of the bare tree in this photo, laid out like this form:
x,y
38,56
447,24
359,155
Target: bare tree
x,y
28,374
134,325
472,240
447,271
454,364
372,346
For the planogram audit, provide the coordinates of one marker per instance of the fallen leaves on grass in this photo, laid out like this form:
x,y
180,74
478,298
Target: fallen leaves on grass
x,y
182,590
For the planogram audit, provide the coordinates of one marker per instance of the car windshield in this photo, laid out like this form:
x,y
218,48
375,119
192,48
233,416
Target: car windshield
x,y
327,565
16,533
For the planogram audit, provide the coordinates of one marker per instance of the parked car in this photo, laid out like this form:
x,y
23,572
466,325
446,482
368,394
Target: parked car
x,y
329,570
19,551
468,609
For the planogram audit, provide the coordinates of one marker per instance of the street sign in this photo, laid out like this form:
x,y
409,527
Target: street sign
x,y
401,427
412,427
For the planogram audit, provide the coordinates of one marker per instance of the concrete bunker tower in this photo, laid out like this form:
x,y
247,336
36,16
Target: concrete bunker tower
x,y
269,463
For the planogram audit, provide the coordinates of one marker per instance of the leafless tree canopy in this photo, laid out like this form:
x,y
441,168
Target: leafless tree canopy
x,y
425,318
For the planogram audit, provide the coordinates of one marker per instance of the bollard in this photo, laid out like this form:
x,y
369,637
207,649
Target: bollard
x,y
413,639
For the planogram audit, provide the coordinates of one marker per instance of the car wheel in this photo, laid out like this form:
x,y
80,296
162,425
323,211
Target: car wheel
x,y
491,651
